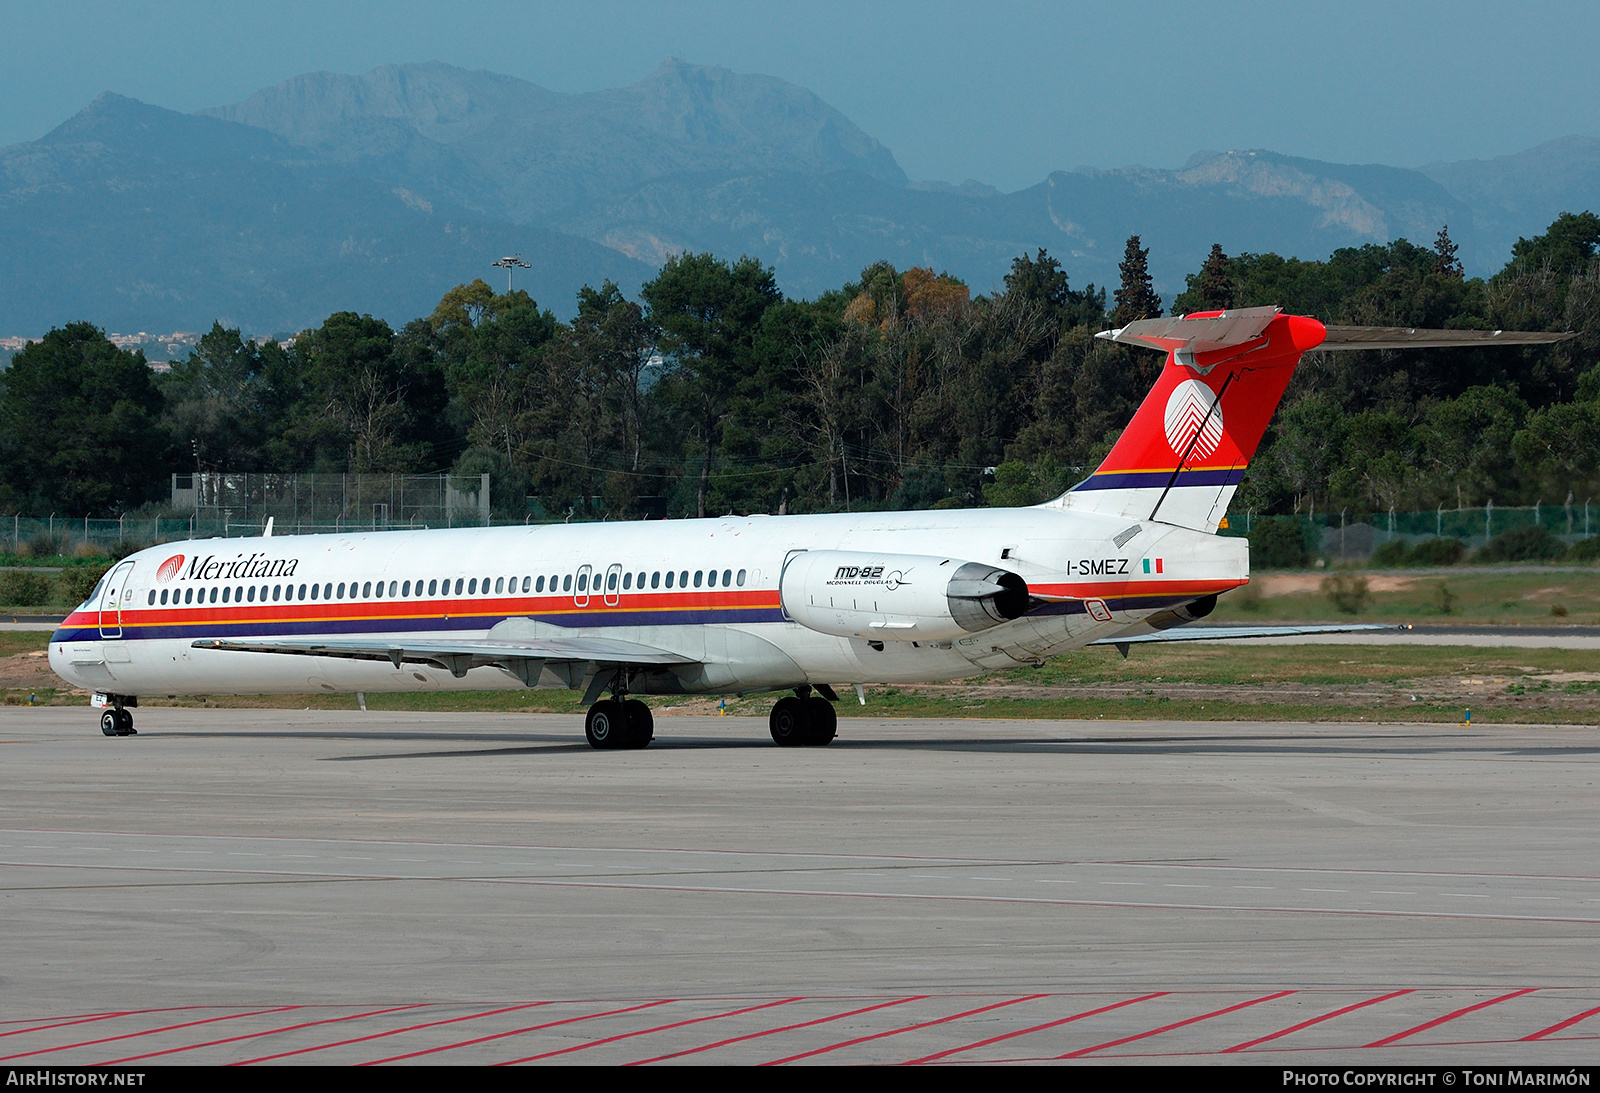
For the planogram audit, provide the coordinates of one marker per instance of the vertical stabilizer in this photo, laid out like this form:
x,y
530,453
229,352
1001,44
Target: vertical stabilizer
x,y
1182,456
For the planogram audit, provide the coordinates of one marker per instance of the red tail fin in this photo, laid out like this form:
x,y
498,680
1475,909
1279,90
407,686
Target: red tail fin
x,y
1181,457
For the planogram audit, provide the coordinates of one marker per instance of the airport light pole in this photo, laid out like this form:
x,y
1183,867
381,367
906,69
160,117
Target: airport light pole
x,y
510,264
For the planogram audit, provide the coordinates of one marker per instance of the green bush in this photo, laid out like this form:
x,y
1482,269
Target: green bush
x,y
1585,550
76,582
20,588
1278,542
1392,553
1349,594
44,545
1436,552
1530,544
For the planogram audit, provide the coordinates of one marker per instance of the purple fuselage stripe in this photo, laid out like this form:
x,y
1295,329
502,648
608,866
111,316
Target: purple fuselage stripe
x,y
702,616
1227,476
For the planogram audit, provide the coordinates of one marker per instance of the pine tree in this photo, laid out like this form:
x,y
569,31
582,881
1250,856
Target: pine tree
x,y
1215,283
1136,299
1446,262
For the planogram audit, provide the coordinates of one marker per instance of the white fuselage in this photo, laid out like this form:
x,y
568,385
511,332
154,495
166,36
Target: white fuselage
x,y
722,613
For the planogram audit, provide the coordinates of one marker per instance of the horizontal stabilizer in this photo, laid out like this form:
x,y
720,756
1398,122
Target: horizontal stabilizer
x,y
1403,337
1201,333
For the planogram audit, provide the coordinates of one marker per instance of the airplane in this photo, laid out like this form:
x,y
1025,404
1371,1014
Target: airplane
x,y
738,605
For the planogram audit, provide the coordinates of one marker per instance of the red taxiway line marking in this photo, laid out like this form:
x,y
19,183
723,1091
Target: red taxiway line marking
x,y
1315,1021
658,1028
1542,1033
781,1028
268,1032
1036,1028
515,1032
1175,1024
84,1018
390,1032
1449,1017
906,1028
149,1032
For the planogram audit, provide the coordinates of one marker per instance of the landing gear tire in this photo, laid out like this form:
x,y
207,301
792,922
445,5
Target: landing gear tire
x,y
606,726
824,723
790,722
117,723
641,724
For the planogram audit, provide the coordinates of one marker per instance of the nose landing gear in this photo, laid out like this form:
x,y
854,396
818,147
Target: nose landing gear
x,y
117,722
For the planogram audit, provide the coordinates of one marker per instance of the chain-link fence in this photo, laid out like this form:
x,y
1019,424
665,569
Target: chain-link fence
x,y
1352,536
205,505
239,505
334,501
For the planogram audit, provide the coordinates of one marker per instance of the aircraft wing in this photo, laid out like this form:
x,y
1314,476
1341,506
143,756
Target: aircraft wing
x,y
461,656
1226,633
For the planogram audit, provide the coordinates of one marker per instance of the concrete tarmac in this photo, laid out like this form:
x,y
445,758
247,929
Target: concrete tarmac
x,y
338,887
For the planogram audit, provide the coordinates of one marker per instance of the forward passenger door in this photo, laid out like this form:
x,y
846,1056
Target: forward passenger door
x,y
111,600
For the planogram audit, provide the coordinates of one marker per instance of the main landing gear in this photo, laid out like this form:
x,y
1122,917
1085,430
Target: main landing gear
x,y
804,720
619,723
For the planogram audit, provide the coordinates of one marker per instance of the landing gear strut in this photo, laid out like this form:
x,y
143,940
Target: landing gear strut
x,y
619,723
803,721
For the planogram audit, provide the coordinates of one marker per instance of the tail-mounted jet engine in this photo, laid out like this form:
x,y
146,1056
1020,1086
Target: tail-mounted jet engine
x,y
898,597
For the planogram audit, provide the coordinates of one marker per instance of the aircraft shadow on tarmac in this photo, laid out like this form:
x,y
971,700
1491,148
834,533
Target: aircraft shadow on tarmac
x,y
1353,746
1346,745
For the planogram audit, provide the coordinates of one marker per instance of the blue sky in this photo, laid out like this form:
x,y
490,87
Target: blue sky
x,y
1001,92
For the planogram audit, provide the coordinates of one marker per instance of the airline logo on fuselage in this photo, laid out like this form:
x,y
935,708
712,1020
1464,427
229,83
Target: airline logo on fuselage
x,y
240,567
169,568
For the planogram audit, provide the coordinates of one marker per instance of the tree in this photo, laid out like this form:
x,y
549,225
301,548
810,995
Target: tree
x,y
1566,247
490,348
1465,441
355,413
1041,280
79,430
1136,298
708,312
1214,286
1306,449
228,400
1558,446
1445,262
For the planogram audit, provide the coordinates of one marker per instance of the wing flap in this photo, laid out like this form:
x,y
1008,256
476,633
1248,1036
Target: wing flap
x,y
1228,633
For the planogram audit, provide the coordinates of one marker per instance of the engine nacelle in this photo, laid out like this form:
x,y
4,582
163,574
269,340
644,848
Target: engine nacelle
x,y
898,597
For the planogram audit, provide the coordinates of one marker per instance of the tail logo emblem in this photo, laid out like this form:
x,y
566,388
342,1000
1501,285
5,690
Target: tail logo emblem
x,y
1190,412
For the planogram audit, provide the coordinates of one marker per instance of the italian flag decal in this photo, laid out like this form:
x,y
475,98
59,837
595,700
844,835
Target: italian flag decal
x,y
1147,565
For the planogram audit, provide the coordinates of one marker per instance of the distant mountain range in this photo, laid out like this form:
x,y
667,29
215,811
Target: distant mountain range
x,y
379,192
